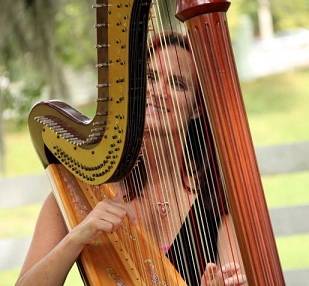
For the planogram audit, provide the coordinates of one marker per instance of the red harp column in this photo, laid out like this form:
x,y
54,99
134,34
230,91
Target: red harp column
x,y
209,35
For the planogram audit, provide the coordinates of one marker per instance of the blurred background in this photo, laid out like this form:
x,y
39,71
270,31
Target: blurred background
x,y
47,50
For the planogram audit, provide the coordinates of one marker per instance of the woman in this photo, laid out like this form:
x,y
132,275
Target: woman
x,y
172,108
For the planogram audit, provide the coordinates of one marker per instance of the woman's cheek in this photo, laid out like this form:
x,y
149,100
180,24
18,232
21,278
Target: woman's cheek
x,y
188,105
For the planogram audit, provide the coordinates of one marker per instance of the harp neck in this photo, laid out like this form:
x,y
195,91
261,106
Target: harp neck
x,y
187,9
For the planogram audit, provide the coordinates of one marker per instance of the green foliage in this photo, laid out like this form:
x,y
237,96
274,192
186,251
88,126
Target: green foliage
x,y
278,103
31,92
19,97
6,97
75,34
239,8
289,15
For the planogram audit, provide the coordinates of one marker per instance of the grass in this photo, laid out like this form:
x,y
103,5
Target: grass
x,y
21,158
287,189
278,107
278,113
293,251
10,276
23,217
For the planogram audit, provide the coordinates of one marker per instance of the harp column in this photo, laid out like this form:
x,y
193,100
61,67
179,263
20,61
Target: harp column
x,y
209,35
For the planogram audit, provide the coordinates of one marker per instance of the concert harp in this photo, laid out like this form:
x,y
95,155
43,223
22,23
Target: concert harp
x,y
86,157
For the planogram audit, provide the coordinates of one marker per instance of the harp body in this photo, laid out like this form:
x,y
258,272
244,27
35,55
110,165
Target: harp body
x,y
94,152
126,256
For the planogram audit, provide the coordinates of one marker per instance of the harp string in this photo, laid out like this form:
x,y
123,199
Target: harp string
x,y
149,174
138,254
138,186
186,146
181,135
201,207
137,178
157,147
166,122
234,251
219,201
202,144
153,218
186,166
155,142
216,200
138,189
189,160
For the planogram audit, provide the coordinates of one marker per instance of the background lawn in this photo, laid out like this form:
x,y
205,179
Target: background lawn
x,y
278,113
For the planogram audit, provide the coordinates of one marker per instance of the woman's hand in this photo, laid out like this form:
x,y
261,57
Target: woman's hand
x,y
107,216
228,274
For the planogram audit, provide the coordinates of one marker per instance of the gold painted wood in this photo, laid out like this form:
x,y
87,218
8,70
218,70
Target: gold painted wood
x,y
128,255
119,16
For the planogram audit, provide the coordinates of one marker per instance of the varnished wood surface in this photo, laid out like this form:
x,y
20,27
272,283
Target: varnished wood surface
x,y
212,49
128,255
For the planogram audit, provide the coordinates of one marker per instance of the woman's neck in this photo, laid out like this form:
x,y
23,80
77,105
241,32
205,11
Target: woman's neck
x,y
163,159
168,203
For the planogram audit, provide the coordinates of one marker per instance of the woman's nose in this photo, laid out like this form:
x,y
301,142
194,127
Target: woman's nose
x,y
157,89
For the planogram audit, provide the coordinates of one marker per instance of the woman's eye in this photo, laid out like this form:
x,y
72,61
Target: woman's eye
x,y
150,76
179,85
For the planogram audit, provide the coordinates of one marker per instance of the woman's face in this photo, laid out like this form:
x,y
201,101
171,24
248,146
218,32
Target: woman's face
x,y
170,90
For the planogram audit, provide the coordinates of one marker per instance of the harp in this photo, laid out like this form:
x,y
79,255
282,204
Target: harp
x,y
86,157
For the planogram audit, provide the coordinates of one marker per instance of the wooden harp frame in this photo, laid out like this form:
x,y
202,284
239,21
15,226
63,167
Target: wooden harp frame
x,y
209,37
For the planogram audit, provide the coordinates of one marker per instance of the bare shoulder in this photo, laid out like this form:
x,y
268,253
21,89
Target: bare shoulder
x,y
49,231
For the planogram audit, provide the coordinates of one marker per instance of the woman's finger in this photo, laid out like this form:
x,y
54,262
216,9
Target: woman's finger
x,y
119,209
131,214
230,269
109,217
105,226
235,280
118,197
111,207
211,271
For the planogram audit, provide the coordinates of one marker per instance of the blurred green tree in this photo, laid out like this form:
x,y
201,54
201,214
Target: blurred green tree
x,y
28,43
27,56
4,102
286,15
75,34
289,15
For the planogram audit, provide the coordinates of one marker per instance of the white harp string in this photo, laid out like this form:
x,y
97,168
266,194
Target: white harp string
x,y
171,83
189,163
189,153
216,200
230,230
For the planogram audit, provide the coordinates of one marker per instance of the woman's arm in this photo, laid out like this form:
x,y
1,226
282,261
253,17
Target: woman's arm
x,y
228,248
53,251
